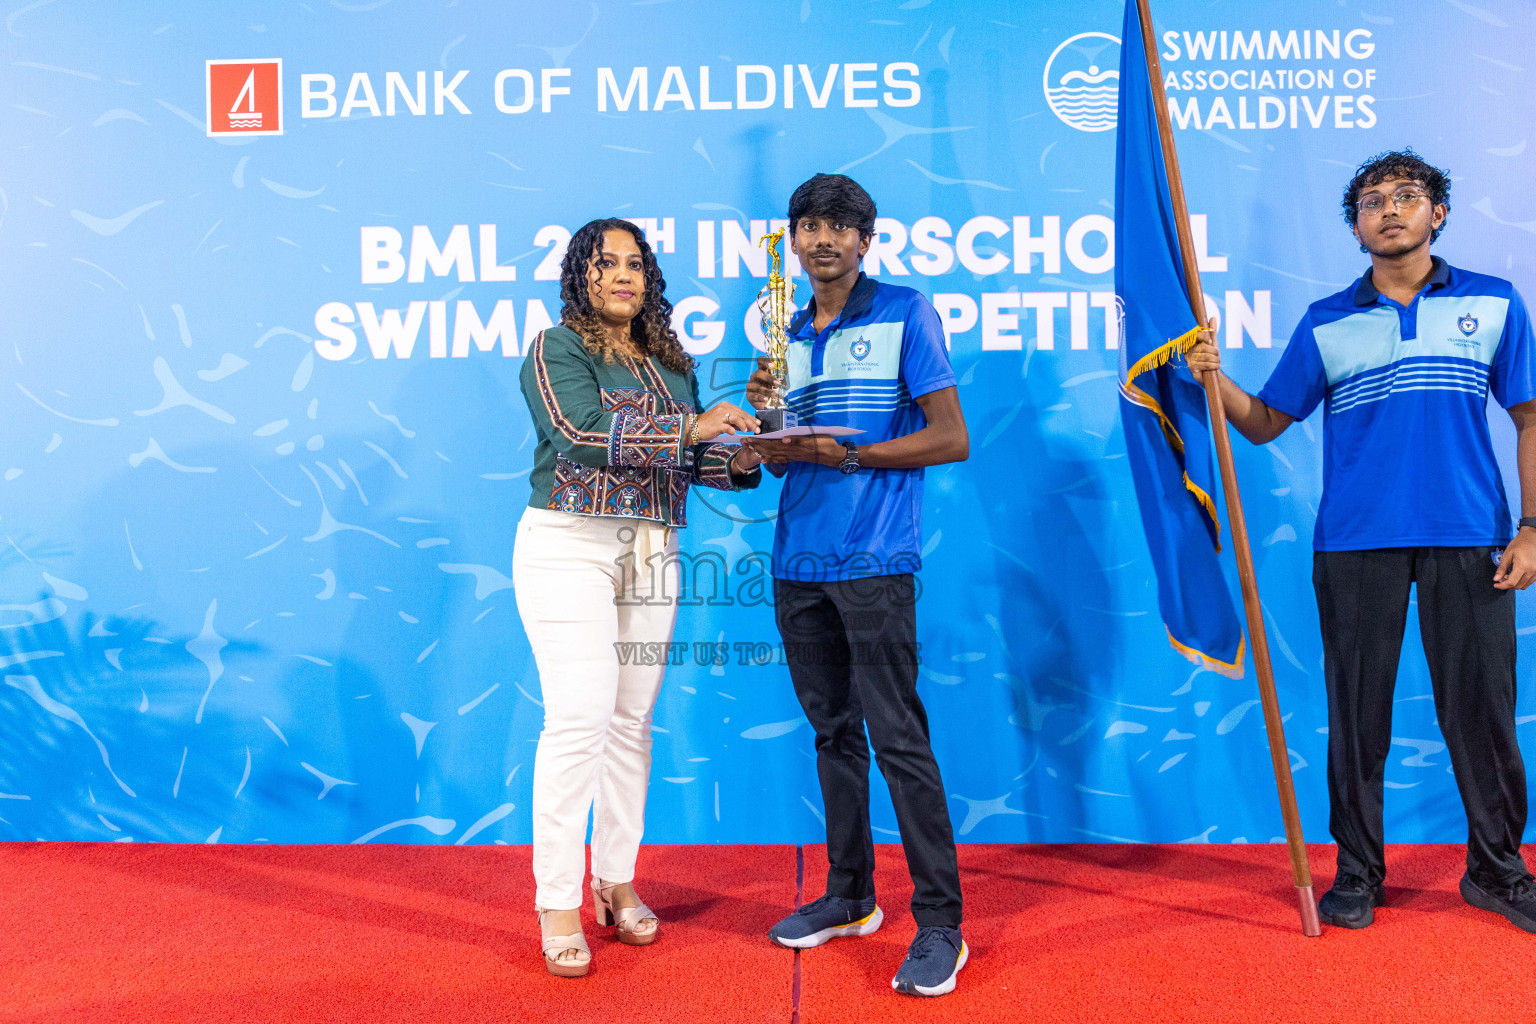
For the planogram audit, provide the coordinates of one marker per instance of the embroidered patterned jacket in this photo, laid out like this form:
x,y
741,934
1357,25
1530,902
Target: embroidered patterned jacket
x,y
613,436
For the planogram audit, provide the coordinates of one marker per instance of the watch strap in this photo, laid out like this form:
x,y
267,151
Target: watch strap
x,y
1529,521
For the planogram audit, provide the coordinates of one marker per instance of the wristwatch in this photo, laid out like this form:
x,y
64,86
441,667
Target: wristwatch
x,y
1529,521
850,463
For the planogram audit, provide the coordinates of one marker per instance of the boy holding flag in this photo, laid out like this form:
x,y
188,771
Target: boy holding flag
x,y
1405,359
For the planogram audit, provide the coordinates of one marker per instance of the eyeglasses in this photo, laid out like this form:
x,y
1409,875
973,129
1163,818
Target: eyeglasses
x,y
1374,203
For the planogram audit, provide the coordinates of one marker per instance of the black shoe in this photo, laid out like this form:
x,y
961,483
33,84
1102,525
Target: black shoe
x,y
1518,902
1351,902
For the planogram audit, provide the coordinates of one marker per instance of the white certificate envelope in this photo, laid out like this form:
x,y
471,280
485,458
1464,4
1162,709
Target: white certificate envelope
x,y
801,431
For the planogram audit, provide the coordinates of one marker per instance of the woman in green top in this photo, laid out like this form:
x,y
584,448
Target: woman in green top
x,y
616,405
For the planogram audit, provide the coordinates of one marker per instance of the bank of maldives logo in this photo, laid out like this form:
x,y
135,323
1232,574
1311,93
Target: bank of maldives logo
x,y
245,97
1468,325
1082,81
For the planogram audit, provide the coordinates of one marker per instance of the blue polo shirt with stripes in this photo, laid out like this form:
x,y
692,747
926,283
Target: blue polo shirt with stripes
x,y
1407,458
883,351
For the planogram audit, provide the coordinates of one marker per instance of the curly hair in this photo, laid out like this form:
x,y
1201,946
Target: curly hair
x,y
652,326
1403,163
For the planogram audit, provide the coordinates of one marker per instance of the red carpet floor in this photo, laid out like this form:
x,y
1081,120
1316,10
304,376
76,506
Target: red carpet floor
x,y
126,932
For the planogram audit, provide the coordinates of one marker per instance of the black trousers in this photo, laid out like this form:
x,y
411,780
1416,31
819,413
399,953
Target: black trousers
x,y
1468,628
852,653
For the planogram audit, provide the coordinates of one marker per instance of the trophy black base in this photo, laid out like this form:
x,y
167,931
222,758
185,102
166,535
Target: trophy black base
x,y
777,419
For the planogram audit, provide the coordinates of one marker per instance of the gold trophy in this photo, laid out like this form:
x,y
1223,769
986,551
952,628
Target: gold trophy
x,y
773,303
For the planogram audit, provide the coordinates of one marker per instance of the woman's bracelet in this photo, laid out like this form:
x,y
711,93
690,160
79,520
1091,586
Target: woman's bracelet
x,y
693,432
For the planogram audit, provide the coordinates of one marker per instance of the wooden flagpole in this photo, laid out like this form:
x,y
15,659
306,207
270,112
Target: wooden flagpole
x,y
1279,754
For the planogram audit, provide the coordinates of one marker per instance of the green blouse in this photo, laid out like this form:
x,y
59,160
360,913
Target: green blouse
x,y
613,436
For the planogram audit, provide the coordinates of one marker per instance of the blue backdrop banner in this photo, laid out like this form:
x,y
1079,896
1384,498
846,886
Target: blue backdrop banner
x,y
270,272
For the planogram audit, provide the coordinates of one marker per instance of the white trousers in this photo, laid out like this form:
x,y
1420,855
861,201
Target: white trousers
x,y
579,581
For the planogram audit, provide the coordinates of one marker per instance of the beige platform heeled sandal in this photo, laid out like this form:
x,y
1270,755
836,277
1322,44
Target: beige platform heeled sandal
x,y
574,967
630,923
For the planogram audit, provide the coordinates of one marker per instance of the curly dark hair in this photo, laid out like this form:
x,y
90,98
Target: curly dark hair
x,y
651,327
1401,163
834,195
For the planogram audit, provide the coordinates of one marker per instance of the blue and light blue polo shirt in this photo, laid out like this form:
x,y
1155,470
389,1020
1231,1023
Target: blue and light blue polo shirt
x,y
865,370
1407,459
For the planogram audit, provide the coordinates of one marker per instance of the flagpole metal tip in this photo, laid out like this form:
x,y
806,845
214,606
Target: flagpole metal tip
x,y
1310,926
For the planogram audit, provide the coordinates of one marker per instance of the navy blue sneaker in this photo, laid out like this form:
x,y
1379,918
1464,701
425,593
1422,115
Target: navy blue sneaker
x,y
933,960
831,917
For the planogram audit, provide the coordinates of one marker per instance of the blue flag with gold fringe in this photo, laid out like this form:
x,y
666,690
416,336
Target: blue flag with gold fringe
x,y
1162,408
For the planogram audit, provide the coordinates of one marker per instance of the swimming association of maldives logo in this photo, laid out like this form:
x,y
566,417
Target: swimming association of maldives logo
x,y
1082,81
1468,325
245,97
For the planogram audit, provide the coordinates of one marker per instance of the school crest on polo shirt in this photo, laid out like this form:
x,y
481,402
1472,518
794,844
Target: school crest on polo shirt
x,y
860,348
1467,324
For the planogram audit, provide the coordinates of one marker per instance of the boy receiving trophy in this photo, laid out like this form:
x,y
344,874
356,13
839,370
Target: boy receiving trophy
x,y
863,358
